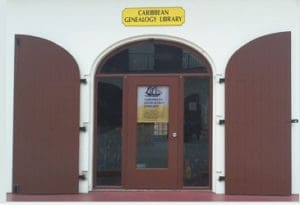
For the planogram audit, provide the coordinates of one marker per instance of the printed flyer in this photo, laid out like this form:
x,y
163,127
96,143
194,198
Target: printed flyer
x,y
153,104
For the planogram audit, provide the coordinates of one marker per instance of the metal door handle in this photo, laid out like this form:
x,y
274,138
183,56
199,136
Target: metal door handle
x,y
174,134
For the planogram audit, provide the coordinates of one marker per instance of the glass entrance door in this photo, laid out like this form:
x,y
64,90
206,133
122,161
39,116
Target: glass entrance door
x,y
153,117
151,132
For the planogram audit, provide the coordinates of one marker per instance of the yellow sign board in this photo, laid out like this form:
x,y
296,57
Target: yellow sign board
x,y
153,16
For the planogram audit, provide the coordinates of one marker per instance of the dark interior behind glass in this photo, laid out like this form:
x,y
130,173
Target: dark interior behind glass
x,y
196,143
109,101
151,57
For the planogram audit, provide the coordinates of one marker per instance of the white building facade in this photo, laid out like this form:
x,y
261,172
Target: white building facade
x,y
92,32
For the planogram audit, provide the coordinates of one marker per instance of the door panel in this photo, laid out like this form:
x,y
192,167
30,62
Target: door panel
x,y
258,114
46,118
151,121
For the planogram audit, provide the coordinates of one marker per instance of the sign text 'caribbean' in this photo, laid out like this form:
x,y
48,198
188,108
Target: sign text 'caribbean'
x,y
153,16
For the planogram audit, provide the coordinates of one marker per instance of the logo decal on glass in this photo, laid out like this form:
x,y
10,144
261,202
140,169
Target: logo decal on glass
x,y
153,92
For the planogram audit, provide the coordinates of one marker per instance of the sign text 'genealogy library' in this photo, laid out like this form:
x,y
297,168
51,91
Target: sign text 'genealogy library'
x,y
153,16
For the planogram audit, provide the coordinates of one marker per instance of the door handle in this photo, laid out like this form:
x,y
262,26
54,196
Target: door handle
x,y
174,134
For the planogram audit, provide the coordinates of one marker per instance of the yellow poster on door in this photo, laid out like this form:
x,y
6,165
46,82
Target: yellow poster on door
x,y
153,104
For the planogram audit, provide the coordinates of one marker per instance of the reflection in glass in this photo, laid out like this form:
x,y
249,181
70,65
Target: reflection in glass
x,y
109,131
154,57
196,143
152,145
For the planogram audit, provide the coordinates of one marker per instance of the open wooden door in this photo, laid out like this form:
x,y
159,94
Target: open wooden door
x,y
258,117
46,118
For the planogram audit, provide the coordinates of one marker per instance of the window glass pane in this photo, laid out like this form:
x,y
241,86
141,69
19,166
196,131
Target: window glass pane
x,y
152,126
109,131
196,142
152,145
149,57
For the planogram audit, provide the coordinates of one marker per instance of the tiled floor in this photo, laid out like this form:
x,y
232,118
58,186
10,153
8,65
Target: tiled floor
x,y
149,195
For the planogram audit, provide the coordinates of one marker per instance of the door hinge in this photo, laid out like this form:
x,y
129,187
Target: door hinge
x,y
83,81
221,178
82,177
221,122
82,129
18,41
222,80
16,188
294,121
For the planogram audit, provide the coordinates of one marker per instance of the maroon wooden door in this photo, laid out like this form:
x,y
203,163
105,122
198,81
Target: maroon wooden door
x,y
46,118
151,141
258,117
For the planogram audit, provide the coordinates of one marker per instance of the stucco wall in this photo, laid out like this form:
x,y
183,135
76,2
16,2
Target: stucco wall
x,y
91,29
2,97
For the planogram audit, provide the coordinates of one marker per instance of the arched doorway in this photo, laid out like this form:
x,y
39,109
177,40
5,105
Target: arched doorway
x,y
153,117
